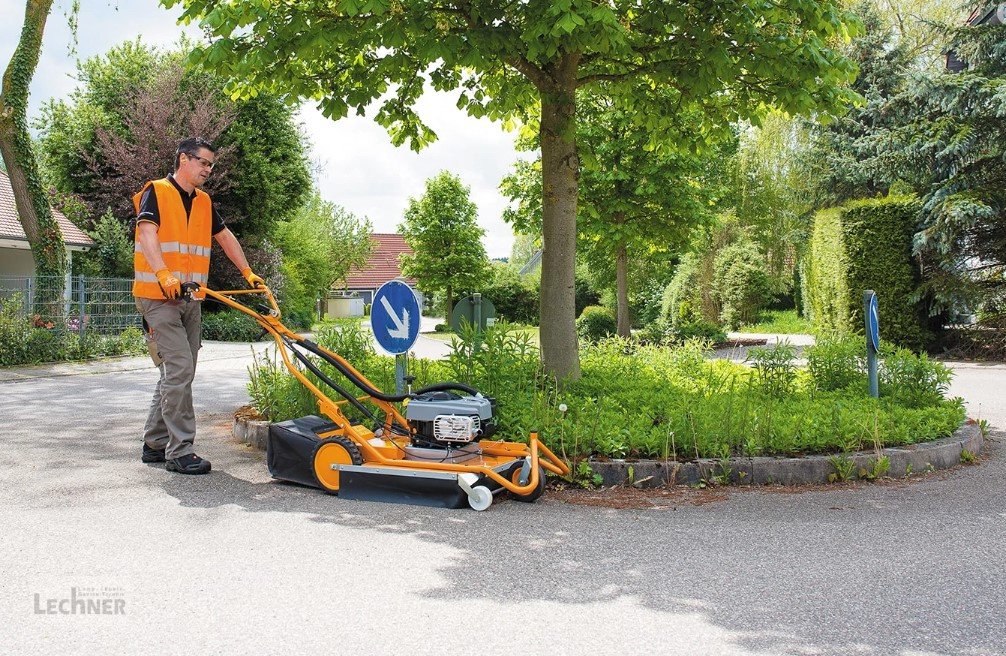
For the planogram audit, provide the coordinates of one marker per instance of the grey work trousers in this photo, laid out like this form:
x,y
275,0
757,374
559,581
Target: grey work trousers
x,y
171,424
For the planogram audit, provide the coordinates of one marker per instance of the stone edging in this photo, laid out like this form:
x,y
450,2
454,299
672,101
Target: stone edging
x,y
928,456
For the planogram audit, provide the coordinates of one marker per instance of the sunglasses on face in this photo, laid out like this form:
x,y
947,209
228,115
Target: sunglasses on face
x,y
202,160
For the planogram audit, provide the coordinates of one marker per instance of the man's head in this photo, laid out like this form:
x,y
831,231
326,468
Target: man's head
x,y
194,161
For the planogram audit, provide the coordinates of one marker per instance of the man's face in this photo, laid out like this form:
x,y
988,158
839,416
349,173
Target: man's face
x,y
197,168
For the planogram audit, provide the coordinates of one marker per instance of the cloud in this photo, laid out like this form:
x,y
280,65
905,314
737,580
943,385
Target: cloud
x,y
364,173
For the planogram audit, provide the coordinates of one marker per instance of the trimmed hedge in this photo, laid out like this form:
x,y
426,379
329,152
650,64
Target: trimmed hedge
x,y
867,245
230,326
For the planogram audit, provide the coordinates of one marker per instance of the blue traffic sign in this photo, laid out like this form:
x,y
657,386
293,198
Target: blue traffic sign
x,y
873,322
395,316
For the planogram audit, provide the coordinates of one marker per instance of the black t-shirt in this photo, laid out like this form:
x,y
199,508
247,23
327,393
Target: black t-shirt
x,y
149,211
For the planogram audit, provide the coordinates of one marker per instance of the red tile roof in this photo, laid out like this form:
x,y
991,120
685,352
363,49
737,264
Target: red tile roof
x,y
382,265
10,227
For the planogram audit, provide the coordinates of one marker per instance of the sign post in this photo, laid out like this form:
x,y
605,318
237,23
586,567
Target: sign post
x,y
871,314
395,318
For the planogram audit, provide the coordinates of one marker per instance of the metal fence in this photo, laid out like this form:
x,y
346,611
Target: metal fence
x,y
101,305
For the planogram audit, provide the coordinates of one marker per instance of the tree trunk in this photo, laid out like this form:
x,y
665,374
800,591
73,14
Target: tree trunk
x,y
30,199
560,170
622,291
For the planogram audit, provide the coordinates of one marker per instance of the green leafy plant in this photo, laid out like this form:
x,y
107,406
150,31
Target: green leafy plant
x,y
914,381
876,468
836,362
725,474
844,467
968,458
775,368
595,322
583,475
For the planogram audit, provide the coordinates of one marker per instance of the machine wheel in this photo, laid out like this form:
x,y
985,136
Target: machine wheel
x,y
480,498
333,451
534,494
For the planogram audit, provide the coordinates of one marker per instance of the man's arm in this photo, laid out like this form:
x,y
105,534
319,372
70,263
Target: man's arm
x,y
232,248
150,246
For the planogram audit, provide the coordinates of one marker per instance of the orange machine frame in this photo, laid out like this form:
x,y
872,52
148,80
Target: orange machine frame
x,y
501,452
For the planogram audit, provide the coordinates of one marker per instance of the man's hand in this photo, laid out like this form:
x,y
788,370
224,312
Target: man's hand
x,y
171,286
253,280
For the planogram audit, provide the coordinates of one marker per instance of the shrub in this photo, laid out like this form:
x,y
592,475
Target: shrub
x,y
596,322
740,283
514,296
682,299
775,369
913,381
703,330
584,292
230,326
23,343
836,362
867,245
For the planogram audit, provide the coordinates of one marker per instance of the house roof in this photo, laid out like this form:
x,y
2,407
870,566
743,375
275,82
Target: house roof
x,y
382,265
10,226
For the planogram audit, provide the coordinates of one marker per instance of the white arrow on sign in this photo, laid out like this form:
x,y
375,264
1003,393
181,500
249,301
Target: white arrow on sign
x,y
401,330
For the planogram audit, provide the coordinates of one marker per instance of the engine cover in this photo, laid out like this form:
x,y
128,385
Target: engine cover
x,y
446,418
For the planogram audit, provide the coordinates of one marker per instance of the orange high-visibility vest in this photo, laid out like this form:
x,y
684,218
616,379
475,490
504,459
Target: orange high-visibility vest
x,y
185,241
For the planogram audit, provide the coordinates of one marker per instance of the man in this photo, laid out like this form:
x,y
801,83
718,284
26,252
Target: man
x,y
174,223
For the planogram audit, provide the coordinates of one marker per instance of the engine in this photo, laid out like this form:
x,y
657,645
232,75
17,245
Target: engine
x,y
446,419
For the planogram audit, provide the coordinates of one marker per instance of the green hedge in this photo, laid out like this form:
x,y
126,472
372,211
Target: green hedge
x,y
867,245
230,326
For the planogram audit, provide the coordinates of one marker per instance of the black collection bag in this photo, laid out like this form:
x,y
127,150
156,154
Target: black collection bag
x,y
290,449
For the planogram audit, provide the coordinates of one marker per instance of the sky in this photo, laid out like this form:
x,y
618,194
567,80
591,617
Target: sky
x,y
357,167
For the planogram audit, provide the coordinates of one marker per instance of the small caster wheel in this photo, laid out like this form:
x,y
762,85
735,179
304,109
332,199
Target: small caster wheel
x,y
480,498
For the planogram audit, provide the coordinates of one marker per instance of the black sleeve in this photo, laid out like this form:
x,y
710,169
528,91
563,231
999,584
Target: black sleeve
x,y
148,207
218,223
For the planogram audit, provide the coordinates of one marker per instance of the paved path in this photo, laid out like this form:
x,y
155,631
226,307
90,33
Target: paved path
x,y
232,563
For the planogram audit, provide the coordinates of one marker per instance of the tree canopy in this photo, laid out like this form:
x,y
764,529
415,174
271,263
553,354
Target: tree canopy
x,y
509,60
133,105
441,227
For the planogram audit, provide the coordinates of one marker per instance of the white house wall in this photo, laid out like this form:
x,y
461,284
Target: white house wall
x,y
16,262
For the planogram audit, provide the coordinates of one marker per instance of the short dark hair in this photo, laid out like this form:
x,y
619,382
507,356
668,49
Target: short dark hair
x,y
191,146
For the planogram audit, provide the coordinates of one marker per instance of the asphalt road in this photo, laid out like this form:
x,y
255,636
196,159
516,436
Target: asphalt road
x,y
232,563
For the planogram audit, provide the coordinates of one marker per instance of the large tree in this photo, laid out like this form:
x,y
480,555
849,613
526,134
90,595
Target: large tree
x,y
509,59
30,198
441,227
636,199
320,244
952,149
132,105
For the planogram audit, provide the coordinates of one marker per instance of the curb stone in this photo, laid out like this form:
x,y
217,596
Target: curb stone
x,y
928,456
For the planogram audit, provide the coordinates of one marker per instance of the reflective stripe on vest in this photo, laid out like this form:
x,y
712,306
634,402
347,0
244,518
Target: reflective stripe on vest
x,y
185,241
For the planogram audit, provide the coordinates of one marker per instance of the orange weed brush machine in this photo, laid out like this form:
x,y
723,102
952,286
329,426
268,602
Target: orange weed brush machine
x,y
438,453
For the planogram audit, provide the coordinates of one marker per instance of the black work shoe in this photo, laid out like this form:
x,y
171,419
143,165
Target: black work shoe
x,y
151,454
190,464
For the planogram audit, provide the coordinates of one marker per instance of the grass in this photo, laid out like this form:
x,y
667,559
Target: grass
x,y
780,322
